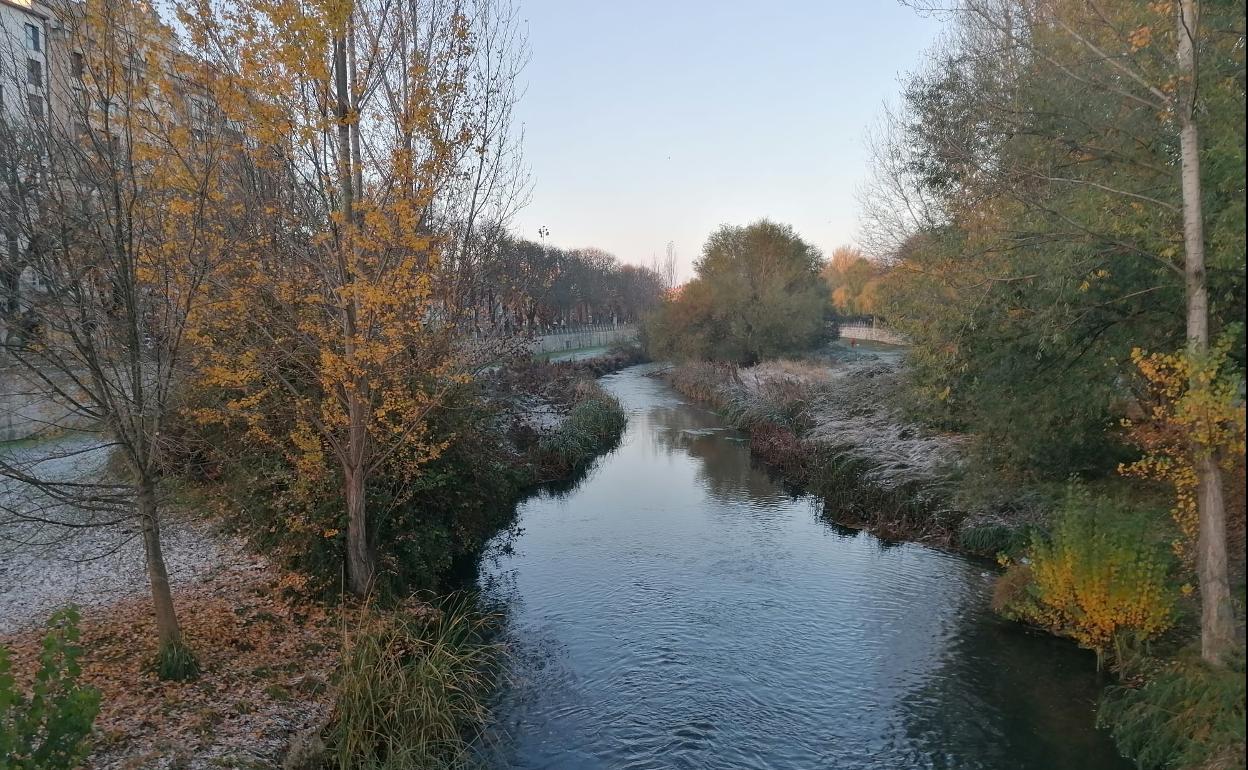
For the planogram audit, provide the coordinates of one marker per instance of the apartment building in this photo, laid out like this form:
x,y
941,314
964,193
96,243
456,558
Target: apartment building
x,y
24,56
25,52
74,88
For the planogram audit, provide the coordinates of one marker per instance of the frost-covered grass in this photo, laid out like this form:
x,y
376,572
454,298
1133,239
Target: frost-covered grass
x,y
835,427
53,553
593,423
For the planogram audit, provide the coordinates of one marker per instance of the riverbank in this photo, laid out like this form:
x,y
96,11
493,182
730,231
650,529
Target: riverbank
x,y
829,425
274,649
680,607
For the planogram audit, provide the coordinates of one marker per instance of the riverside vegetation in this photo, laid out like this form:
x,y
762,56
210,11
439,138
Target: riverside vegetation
x,y
398,681
272,251
283,291
1084,486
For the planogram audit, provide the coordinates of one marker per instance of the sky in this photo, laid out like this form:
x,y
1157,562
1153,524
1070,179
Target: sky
x,y
647,121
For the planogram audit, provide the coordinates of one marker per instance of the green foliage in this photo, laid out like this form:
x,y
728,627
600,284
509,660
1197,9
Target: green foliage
x,y
594,422
46,728
176,663
429,526
992,539
425,523
1049,245
757,295
1187,715
1100,578
413,688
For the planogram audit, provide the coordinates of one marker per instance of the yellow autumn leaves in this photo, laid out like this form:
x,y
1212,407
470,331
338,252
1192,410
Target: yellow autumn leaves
x,y
1100,575
1191,406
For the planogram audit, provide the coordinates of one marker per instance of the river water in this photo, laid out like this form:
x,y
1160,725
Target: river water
x,y
678,609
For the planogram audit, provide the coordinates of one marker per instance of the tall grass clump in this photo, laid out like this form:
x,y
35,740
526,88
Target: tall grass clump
x,y
1187,715
595,420
782,403
413,689
702,381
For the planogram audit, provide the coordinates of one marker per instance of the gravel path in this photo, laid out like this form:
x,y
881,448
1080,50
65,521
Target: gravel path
x,y
44,566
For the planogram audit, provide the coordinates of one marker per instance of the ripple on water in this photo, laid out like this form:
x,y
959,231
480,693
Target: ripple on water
x,y
679,609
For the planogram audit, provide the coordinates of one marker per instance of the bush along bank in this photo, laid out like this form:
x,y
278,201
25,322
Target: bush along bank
x,y
1100,563
497,438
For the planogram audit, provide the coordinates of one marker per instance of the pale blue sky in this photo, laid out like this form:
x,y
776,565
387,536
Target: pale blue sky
x,y
648,121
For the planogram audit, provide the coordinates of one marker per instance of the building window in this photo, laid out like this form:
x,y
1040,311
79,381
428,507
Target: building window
x,y
34,72
35,103
76,66
33,39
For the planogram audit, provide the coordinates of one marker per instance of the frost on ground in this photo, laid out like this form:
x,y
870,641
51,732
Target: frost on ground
x,y
266,658
53,552
850,408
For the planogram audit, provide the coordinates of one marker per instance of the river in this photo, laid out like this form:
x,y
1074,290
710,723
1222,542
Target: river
x,y
678,608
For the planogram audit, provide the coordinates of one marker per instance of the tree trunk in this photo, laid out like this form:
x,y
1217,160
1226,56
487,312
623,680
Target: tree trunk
x,y
167,629
1217,622
360,566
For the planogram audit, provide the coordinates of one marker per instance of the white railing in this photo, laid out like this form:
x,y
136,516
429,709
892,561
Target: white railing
x,y
587,337
874,331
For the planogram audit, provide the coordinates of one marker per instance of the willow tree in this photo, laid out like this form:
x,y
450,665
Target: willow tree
x,y
355,128
119,235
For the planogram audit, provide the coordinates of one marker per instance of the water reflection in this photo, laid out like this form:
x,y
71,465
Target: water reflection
x,y
677,608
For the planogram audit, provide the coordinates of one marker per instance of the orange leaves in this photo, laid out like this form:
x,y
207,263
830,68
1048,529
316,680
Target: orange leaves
x,y
1140,38
256,650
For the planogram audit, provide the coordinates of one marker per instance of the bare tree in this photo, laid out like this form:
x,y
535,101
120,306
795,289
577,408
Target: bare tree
x,y
665,268
119,245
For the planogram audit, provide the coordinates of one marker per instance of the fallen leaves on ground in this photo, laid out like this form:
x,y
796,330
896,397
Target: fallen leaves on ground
x,y
266,657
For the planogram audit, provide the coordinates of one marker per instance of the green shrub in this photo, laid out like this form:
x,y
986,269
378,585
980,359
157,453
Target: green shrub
x,y
594,422
47,728
1187,715
990,539
413,689
426,523
1101,577
176,663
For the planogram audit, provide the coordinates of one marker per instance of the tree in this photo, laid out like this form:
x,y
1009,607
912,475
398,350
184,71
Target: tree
x,y
1217,617
1047,177
328,336
853,282
757,294
665,268
120,234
